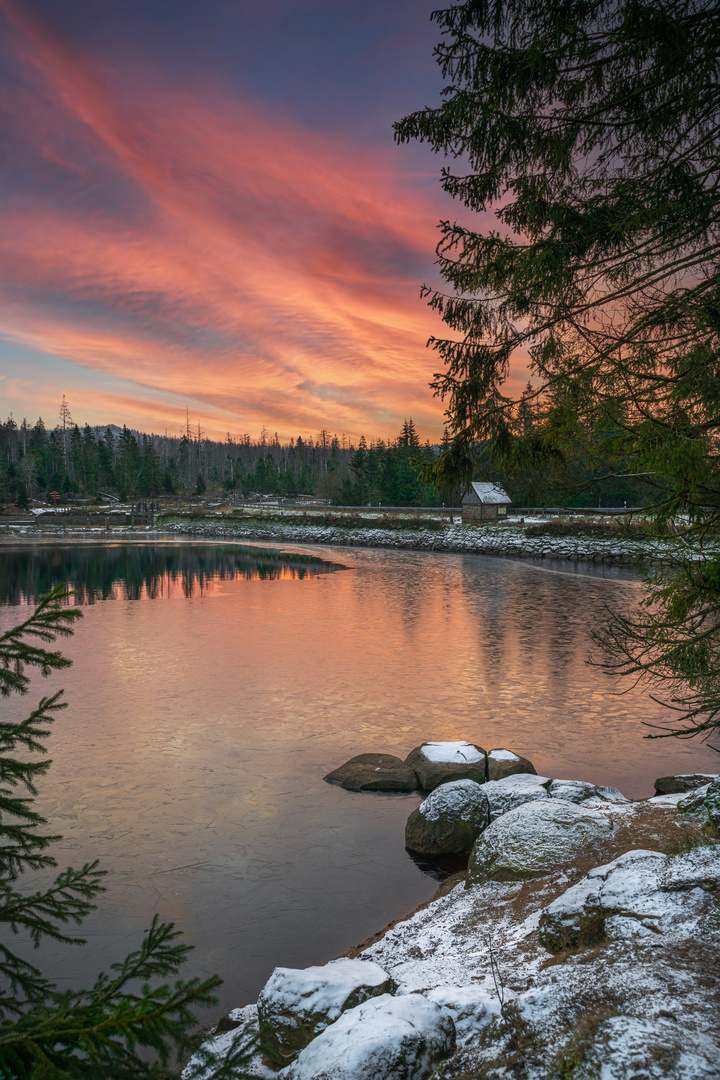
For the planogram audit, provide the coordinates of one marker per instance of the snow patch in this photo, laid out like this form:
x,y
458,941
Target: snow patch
x,y
451,752
503,755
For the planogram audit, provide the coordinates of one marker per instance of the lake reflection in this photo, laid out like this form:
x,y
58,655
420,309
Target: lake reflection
x,y
200,726
107,571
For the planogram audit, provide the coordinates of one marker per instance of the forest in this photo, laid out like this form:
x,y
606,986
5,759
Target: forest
x,y
69,463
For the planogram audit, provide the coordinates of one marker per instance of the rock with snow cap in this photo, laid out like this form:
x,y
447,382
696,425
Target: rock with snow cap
x,y
694,805
712,802
502,763
535,839
673,785
374,772
471,1008
634,1048
449,820
505,795
437,763
640,894
579,791
702,805
386,1038
296,1004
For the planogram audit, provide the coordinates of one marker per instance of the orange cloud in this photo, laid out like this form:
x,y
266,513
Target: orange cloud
x,y
208,253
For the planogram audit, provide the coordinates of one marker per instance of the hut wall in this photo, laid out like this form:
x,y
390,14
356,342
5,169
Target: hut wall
x,y
480,513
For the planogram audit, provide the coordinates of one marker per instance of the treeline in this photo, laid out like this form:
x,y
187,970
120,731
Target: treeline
x,y
69,462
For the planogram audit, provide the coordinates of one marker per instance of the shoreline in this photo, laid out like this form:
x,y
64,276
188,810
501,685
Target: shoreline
x,y
508,541
633,995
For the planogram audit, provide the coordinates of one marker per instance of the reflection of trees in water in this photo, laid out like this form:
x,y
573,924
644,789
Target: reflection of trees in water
x,y
96,571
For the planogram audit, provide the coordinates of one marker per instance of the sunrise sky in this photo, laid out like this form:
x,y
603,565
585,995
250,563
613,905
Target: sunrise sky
x,y
203,207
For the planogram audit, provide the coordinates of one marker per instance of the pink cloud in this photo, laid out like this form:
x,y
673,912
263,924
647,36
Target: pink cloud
x,y
264,272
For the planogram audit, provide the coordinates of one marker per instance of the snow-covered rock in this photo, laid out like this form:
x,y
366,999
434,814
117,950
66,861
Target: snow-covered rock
x,y
631,1048
505,795
374,772
640,893
535,839
502,762
712,802
449,820
296,1004
437,763
471,1008
578,791
694,806
386,1038
218,1048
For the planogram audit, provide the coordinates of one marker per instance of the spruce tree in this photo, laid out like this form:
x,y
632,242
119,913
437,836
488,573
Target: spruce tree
x,y
587,135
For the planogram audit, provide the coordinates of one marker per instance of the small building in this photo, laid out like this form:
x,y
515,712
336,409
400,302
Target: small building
x,y
484,502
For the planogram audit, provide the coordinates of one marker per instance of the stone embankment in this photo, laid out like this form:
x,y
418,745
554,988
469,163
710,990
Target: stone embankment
x,y
583,942
506,540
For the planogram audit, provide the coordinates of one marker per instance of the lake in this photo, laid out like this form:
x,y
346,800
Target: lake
x,y
214,685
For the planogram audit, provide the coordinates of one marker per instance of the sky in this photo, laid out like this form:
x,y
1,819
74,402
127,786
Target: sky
x,y
204,213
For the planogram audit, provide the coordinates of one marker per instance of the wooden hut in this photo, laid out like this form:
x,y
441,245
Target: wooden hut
x,y
484,502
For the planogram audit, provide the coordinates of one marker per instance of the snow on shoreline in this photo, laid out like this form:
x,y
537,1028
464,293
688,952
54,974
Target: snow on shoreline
x,y
505,541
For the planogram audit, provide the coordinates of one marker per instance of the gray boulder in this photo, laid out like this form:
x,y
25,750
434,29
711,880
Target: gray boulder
x,y
374,772
513,791
449,820
694,805
387,1038
702,805
437,763
641,894
651,1048
471,1007
674,785
579,791
535,839
712,802
502,763
296,1004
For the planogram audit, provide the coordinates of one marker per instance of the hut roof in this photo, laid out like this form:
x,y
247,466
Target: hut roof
x,y
488,492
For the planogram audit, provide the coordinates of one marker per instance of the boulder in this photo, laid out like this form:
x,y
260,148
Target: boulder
x,y
374,772
437,763
471,1008
387,1038
505,795
674,785
535,839
712,802
449,820
641,894
651,1048
579,791
296,1004
502,763
703,805
694,805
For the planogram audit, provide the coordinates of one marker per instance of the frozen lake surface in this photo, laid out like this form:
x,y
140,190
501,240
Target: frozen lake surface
x,y
212,690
